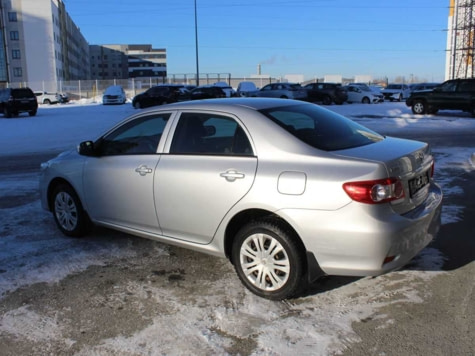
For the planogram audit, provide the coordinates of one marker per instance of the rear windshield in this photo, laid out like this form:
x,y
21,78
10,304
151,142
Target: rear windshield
x,y
321,128
22,93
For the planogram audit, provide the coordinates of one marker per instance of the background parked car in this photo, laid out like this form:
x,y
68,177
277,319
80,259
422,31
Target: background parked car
x,y
228,90
456,94
158,95
44,97
361,94
326,93
423,86
17,100
207,92
244,88
282,90
114,94
396,92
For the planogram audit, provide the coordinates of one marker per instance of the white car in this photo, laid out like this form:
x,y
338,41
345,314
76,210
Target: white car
x,y
44,97
360,94
114,94
396,92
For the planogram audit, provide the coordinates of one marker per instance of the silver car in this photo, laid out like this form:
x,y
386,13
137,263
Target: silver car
x,y
282,90
286,190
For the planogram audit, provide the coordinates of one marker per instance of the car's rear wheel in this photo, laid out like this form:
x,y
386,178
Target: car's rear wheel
x,y
268,259
327,100
419,107
68,212
7,112
137,105
47,101
32,113
365,100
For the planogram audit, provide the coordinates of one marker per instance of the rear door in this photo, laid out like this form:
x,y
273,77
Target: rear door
x,y
209,168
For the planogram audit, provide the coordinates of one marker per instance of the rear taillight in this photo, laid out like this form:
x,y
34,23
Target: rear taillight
x,y
432,169
375,191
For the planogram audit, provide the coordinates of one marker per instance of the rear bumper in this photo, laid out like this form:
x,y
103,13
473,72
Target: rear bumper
x,y
357,239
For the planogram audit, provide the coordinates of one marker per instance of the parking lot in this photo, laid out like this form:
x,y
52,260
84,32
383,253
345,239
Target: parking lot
x,y
114,294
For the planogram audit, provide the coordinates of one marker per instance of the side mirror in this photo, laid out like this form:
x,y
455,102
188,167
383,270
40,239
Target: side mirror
x,y
86,148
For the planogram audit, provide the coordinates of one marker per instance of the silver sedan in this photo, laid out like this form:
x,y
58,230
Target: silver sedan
x,y
286,190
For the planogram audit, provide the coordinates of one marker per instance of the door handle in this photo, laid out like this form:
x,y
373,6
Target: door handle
x,y
143,170
231,175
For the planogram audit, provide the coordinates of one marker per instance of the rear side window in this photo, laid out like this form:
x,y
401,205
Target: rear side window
x,y
321,128
22,93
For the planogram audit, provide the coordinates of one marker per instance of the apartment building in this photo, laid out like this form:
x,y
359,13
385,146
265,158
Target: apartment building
x,y
40,45
123,61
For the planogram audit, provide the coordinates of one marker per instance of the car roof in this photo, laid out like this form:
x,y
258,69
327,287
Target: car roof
x,y
225,104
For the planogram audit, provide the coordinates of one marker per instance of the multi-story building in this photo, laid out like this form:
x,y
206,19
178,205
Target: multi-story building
x,y
127,61
40,45
461,40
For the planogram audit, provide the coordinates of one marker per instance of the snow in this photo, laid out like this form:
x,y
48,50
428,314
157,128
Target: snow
x,y
317,324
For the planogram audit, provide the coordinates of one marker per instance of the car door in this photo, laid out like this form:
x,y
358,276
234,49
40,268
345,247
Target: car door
x,y
209,168
118,182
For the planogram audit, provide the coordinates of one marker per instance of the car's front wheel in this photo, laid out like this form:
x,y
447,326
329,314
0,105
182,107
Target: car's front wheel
x,y
68,213
137,105
419,107
268,259
366,100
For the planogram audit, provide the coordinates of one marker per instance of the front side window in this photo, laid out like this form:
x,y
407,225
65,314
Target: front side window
x,y
198,133
321,128
140,136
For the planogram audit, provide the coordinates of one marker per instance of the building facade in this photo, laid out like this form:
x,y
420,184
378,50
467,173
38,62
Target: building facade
x,y
40,45
127,61
460,40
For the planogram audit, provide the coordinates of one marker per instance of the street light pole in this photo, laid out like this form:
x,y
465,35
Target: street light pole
x,y
196,45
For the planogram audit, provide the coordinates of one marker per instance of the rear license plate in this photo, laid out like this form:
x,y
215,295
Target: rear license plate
x,y
416,184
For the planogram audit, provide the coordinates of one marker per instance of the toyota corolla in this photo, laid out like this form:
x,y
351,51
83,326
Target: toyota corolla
x,y
286,190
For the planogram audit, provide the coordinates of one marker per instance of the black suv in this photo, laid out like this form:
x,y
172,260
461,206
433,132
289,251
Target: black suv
x,y
326,93
158,95
17,100
207,92
455,94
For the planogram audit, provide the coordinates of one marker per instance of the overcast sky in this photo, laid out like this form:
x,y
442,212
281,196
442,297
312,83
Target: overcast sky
x,y
311,37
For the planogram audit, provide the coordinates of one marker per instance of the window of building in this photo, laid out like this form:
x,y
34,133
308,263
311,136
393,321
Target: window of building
x,y
14,35
12,17
16,54
17,72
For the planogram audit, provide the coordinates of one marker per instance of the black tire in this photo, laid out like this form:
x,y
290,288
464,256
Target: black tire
x,y
399,98
47,101
365,100
268,259
419,107
7,113
137,105
327,100
68,212
284,97
32,113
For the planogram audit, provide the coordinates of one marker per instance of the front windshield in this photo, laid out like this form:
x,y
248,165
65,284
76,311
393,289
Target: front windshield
x,y
321,128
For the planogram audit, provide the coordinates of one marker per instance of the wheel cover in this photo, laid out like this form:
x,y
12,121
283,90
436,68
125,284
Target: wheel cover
x,y
264,262
66,211
419,108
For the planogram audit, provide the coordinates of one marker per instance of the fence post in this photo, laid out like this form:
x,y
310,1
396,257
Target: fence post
x,y
80,96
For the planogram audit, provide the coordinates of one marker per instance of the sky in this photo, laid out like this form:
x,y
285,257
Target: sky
x,y
34,251
383,39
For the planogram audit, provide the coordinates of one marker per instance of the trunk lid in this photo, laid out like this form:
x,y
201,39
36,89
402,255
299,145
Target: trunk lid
x,y
410,161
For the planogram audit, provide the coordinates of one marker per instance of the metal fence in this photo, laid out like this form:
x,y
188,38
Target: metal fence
x,y
86,89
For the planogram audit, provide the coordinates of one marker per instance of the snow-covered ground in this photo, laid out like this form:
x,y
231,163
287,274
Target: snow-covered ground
x,y
32,251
